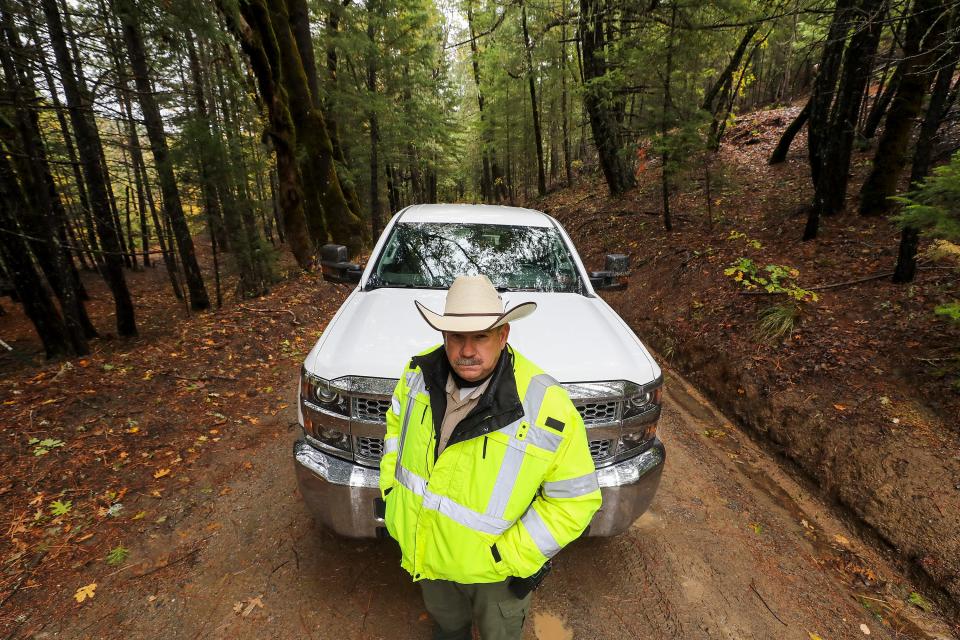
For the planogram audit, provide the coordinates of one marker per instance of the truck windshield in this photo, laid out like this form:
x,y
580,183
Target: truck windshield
x,y
427,255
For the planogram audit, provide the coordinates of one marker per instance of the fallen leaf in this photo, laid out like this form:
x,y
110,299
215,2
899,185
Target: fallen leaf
x,y
841,540
865,629
839,407
813,636
161,473
252,604
85,592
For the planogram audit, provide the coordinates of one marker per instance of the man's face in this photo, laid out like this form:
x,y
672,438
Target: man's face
x,y
474,355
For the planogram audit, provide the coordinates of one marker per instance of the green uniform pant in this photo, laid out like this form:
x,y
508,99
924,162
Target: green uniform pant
x,y
498,613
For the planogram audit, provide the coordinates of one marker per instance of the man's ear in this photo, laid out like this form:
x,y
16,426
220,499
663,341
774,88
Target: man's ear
x,y
504,333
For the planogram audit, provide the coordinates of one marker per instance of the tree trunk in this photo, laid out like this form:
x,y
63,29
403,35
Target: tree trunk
x,y
906,267
88,146
564,115
831,190
372,35
173,208
91,235
300,26
245,254
665,121
28,282
719,93
254,32
924,33
486,136
783,146
885,89
43,217
604,121
824,87
534,105
141,170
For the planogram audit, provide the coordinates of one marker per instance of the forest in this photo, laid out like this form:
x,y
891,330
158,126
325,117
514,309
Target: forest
x,y
130,128
784,175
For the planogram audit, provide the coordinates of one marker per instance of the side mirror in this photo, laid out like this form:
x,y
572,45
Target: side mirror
x,y
613,277
335,267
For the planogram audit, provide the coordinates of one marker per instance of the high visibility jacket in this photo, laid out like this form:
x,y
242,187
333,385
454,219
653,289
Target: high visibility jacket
x,y
513,486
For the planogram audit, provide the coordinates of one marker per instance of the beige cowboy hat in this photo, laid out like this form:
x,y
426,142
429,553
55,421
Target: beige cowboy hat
x,y
473,304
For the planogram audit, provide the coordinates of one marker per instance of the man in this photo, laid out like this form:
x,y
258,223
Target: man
x,y
486,472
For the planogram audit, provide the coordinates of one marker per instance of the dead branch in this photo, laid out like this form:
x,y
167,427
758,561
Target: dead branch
x,y
292,314
772,612
204,378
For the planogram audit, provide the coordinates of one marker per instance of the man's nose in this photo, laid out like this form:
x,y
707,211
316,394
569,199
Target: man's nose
x,y
469,348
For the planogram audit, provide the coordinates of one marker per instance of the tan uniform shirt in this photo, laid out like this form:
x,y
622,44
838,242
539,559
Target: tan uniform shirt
x,y
459,404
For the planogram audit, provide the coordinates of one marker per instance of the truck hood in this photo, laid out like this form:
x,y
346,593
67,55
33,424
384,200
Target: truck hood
x,y
571,337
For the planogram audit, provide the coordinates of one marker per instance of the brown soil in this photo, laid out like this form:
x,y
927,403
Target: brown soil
x,y
189,429
732,548
861,394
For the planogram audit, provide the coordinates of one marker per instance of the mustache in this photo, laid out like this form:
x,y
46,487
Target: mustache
x,y
468,362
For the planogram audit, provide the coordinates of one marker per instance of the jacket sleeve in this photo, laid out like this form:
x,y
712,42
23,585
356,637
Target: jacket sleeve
x,y
388,463
563,507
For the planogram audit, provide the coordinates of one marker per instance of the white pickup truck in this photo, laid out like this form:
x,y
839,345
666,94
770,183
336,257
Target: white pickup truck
x,y
348,377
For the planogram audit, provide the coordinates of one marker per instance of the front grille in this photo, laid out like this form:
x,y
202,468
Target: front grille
x,y
370,448
600,449
370,409
599,412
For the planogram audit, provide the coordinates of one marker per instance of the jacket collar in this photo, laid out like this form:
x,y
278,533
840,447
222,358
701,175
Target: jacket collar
x,y
497,407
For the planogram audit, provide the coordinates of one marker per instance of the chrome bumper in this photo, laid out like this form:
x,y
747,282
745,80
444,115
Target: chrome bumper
x,y
341,494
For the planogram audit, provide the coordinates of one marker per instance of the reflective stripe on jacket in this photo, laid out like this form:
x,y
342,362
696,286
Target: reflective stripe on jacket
x,y
515,484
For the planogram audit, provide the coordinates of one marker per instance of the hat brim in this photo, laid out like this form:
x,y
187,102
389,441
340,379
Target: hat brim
x,y
469,323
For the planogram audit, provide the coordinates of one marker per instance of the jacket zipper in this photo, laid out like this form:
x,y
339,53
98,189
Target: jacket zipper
x,y
484,456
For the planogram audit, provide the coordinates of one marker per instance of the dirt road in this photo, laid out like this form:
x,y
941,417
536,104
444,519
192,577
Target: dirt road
x,y
732,548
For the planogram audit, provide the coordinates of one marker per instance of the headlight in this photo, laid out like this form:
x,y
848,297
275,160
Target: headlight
x,y
320,392
640,413
638,400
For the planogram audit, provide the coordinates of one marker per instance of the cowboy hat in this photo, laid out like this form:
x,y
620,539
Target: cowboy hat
x,y
473,304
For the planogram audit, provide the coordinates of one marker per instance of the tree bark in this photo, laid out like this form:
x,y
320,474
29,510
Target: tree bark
x,y
43,217
824,87
564,107
255,34
173,207
906,267
783,146
88,146
604,121
372,35
27,280
534,105
831,190
924,34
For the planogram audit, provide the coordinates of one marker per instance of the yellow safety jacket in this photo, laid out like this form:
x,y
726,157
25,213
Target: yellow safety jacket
x,y
513,486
